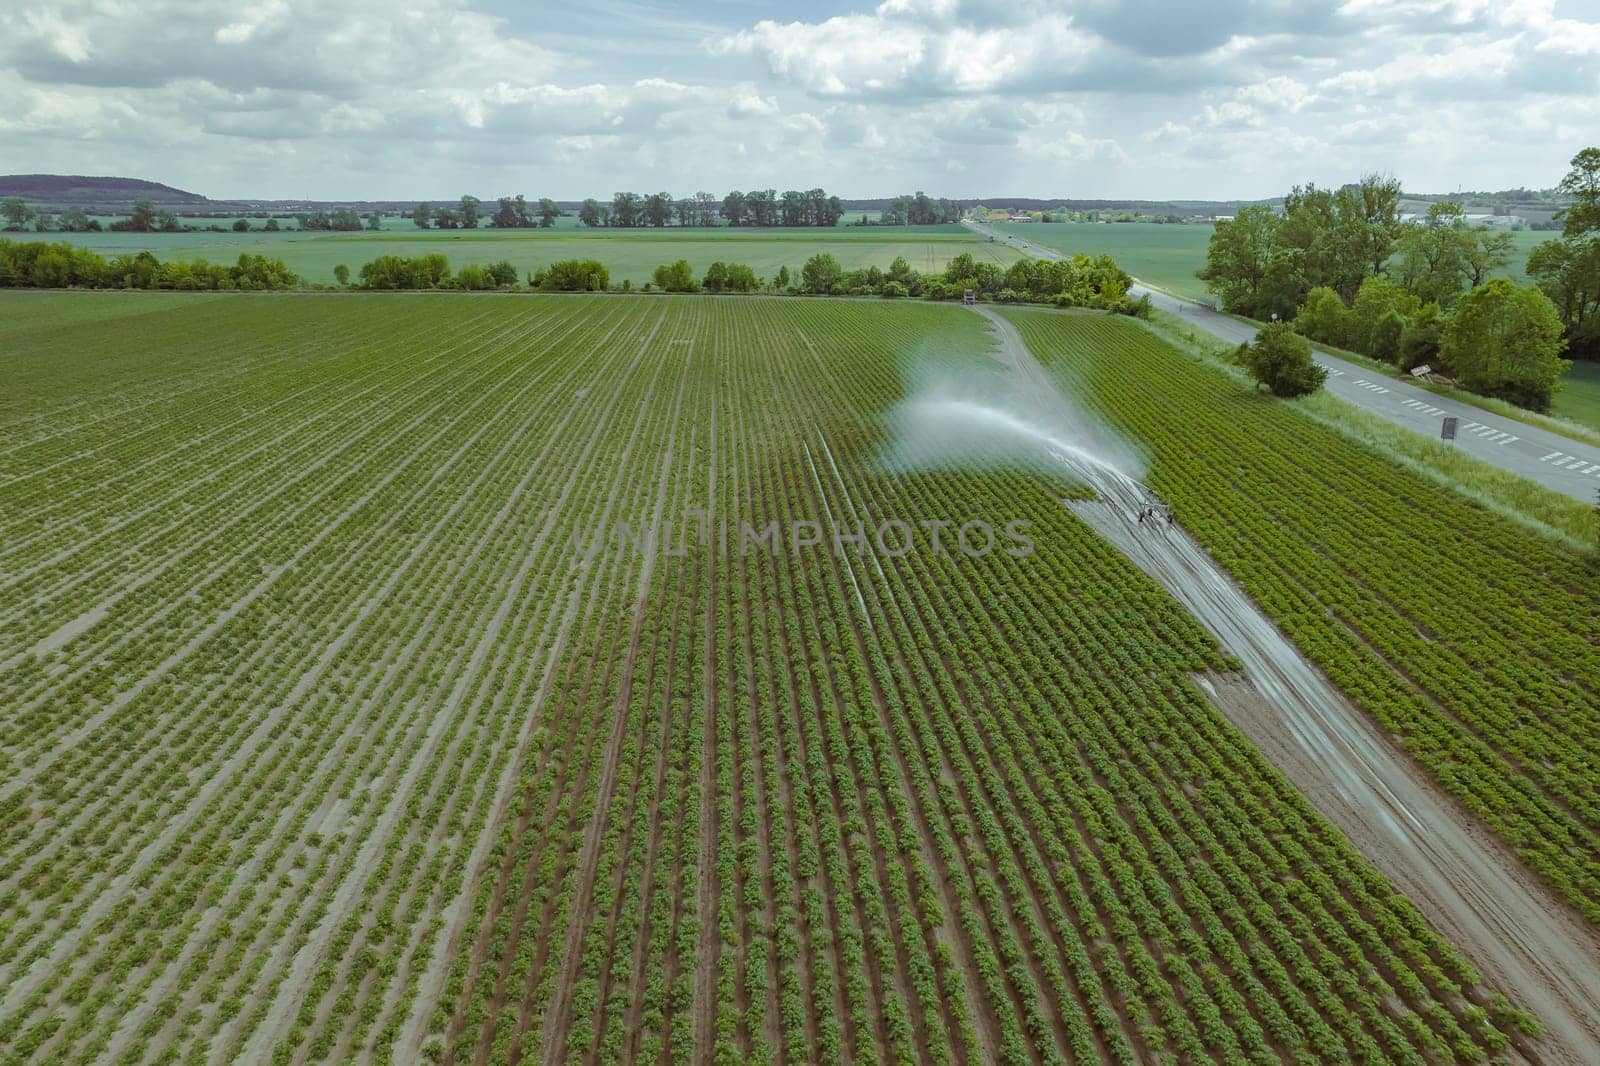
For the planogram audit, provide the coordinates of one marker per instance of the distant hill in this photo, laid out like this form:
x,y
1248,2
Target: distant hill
x,y
57,191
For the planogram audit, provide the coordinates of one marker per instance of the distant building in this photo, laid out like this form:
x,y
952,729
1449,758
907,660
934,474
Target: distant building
x,y
1019,218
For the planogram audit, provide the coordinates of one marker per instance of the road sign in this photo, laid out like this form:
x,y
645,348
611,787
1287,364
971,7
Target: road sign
x,y
1421,371
1448,430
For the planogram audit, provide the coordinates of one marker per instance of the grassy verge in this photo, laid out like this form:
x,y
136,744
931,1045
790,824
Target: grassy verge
x,y
1570,521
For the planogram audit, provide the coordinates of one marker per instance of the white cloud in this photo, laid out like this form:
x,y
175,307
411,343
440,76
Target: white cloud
x,y
1149,98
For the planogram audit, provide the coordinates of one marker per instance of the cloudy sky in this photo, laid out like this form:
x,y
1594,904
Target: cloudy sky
x,y
1081,98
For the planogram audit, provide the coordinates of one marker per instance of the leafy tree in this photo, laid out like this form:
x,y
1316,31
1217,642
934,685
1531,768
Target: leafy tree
x,y
271,226
1380,211
341,274
1483,251
469,212
1280,359
14,209
1325,318
1433,261
763,205
1506,340
421,214
241,225
1568,270
1376,298
374,221
820,274
742,279
626,209
675,277
1237,257
594,213
511,212
1582,183
142,219
548,212
658,207
781,280
733,208
716,278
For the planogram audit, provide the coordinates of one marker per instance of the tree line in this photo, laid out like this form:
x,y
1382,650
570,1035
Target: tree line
x,y
756,208
1345,269
511,212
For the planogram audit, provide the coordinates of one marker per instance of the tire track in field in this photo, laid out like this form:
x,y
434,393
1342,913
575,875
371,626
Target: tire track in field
x,y
449,933
557,630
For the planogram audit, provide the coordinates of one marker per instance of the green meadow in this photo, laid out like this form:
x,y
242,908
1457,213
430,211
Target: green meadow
x,y
629,254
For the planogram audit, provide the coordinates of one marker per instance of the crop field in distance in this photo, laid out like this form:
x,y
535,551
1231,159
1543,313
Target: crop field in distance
x,y
630,254
393,679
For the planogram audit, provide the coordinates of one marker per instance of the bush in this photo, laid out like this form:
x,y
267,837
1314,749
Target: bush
x,y
474,278
393,272
675,277
1384,343
1281,360
571,275
503,274
1419,342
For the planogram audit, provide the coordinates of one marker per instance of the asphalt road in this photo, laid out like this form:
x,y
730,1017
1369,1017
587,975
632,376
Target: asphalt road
x,y
1550,459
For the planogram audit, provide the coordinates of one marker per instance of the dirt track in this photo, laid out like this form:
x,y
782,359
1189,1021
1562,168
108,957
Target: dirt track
x,y
1525,941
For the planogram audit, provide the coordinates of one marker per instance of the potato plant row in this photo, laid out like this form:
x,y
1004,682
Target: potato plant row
x,y
342,719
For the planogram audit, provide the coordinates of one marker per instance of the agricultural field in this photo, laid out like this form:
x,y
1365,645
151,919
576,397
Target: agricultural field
x,y
630,254
1472,643
350,710
1166,256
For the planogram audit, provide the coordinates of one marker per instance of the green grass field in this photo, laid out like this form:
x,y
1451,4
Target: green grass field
x,y
1167,256
630,254
329,730
1579,397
